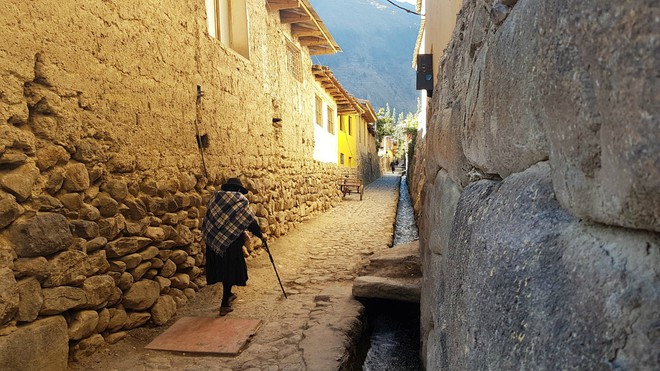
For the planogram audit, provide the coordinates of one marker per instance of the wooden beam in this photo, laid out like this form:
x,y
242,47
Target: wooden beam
x,y
312,41
283,4
288,17
304,31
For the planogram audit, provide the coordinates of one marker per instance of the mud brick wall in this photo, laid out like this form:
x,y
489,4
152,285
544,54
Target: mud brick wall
x,y
537,189
102,188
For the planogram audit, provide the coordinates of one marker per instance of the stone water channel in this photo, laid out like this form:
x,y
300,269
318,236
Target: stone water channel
x,y
391,341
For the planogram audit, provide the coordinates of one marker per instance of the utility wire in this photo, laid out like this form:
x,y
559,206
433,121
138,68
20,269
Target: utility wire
x,y
404,9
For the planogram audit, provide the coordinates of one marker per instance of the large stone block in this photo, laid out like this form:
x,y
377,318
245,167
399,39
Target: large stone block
x,y
40,345
441,199
526,283
62,298
601,114
31,300
503,132
43,234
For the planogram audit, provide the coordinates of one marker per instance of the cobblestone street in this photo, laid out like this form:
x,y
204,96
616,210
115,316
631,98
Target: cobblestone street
x,y
317,262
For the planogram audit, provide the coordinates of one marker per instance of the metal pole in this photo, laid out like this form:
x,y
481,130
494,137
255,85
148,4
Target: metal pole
x,y
273,262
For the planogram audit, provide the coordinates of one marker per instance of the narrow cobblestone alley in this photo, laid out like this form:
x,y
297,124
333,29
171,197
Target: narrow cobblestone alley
x,y
313,327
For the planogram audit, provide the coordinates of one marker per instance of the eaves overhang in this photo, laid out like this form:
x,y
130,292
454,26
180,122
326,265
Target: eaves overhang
x,y
306,25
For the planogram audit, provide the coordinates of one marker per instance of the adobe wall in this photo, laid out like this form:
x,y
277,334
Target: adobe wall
x,y
102,189
538,189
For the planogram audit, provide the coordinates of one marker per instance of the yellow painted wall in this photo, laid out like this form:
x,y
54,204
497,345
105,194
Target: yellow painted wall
x,y
347,143
441,19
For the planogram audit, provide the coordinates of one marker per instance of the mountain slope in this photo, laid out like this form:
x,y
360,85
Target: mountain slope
x,y
377,42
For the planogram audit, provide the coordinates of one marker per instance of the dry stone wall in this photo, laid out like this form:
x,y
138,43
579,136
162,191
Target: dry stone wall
x,y
536,189
102,188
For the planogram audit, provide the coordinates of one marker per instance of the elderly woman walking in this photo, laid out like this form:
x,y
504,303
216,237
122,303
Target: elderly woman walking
x,y
228,216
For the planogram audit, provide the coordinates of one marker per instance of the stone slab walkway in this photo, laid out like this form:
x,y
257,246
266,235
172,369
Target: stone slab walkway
x,y
311,330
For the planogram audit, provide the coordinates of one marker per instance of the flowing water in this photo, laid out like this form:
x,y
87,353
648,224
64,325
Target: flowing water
x,y
392,326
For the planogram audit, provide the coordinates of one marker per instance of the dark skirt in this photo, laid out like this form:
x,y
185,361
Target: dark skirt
x,y
229,268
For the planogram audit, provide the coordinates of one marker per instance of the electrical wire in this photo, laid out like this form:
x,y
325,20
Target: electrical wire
x,y
404,9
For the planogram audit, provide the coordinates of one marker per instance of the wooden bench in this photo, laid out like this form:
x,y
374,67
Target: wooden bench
x,y
349,184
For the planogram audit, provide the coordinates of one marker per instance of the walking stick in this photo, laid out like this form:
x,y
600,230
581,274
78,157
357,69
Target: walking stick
x,y
273,262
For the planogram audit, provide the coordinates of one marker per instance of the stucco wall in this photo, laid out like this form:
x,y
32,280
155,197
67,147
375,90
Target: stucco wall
x,y
102,183
536,188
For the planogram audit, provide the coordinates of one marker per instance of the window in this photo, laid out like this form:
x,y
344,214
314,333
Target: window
x,y
227,22
350,125
341,123
319,111
293,60
331,120
341,158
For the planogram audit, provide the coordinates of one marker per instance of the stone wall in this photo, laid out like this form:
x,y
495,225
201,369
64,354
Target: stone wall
x,y
537,188
102,188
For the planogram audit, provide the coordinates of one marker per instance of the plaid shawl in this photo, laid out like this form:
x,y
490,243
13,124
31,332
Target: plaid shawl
x,y
227,216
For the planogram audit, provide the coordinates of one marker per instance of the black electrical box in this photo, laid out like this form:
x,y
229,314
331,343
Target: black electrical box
x,y
425,73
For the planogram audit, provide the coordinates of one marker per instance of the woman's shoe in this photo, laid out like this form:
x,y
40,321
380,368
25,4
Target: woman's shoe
x,y
225,310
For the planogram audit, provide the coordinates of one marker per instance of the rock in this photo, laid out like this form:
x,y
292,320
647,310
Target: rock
x,y
62,298
117,266
72,201
97,263
535,257
110,227
115,337
76,178
190,293
67,268
137,210
141,295
149,253
10,210
117,189
180,281
82,324
179,256
51,155
35,267
89,212
139,271
184,235
125,245
125,281
179,297
43,234
89,150
55,181
137,228
171,219
444,193
84,229
106,204
118,318
12,159
131,260
136,319
157,263
163,310
155,233
169,268
8,256
150,274
47,202
99,291
95,244
19,182
402,289
86,347
40,345
9,296
121,163
164,283
104,320
31,300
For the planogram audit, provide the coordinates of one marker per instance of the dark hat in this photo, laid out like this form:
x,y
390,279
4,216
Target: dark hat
x,y
234,185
